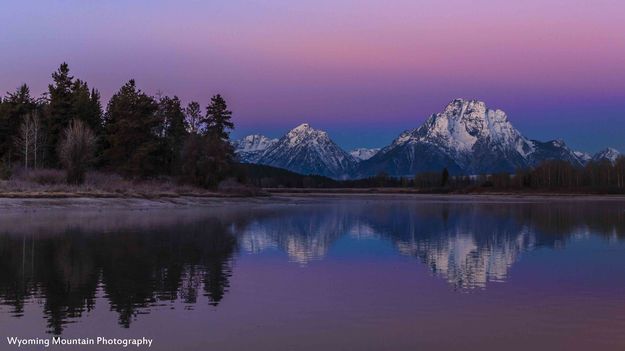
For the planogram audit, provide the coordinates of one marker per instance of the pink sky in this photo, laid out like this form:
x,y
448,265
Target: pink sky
x,y
341,63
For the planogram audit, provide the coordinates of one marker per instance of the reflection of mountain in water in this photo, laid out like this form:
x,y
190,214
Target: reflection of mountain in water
x,y
466,263
472,244
136,267
468,244
305,234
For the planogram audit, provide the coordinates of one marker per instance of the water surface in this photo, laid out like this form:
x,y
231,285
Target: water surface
x,y
325,274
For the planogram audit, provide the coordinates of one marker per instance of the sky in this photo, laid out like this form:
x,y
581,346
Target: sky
x,y
364,70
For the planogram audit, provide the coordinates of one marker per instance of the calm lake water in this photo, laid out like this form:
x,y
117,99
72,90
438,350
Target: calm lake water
x,y
322,274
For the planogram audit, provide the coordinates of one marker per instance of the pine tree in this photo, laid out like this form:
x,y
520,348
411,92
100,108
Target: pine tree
x,y
217,120
86,106
208,158
172,119
444,177
131,131
60,110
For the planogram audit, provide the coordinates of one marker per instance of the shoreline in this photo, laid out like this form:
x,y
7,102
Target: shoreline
x,y
411,191
78,202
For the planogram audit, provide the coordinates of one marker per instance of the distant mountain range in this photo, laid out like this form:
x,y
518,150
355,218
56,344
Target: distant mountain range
x,y
364,153
466,138
250,148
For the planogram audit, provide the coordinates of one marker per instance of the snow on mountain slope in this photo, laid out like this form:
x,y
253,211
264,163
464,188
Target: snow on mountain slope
x,y
307,150
584,157
466,138
363,153
608,154
250,148
554,150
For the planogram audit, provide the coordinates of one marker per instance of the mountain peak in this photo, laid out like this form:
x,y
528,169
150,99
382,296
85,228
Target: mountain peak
x,y
251,147
302,126
305,133
465,123
459,103
609,154
466,137
611,150
308,151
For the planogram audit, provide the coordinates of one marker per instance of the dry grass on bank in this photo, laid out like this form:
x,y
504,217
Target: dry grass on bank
x,y
51,183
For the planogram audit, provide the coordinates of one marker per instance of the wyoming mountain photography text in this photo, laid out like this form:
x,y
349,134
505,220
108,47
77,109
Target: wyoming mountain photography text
x,y
57,340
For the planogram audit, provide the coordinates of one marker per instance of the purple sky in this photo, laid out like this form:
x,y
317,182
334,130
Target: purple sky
x,y
364,70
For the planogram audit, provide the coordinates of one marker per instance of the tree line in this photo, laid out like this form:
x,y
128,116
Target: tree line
x,y
65,270
136,135
603,176
551,176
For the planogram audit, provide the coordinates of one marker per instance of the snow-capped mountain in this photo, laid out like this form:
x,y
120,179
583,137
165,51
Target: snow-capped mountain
x,y
554,150
308,151
584,157
364,153
466,138
250,148
608,154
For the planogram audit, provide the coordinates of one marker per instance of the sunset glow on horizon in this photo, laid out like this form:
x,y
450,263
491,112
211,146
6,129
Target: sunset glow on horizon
x,y
362,70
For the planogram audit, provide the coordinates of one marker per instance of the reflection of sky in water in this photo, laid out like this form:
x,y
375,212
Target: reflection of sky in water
x,y
229,278
468,251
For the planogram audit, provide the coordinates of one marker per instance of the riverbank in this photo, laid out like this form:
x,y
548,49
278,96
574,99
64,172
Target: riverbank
x,y
125,203
51,184
152,193
422,192
77,202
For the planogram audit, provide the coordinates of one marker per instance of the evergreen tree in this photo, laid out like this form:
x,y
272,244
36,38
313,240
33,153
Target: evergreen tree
x,y
132,129
217,120
86,106
208,158
60,109
172,119
444,177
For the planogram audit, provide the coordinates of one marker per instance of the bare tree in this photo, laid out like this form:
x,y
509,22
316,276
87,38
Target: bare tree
x,y
193,117
76,150
28,140
38,141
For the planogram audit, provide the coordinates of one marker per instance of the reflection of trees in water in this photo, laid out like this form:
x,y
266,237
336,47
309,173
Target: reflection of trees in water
x,y
468,244
136,270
